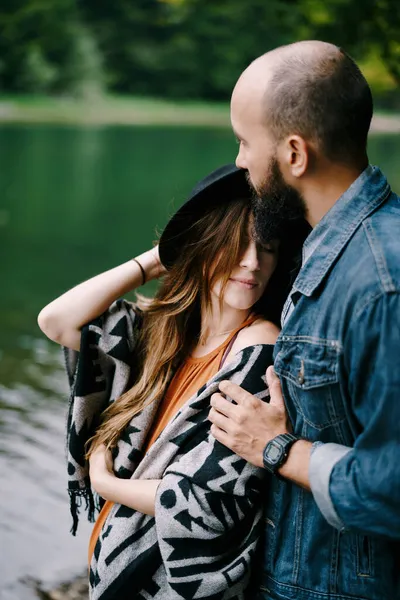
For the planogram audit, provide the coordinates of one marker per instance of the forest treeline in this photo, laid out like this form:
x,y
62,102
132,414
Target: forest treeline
x,y
182,48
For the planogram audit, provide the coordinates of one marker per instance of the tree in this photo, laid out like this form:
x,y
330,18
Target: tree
x,y
45,48
177,48
371,27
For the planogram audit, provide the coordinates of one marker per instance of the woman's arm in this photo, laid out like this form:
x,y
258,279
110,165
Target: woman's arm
x,y
63,319
139,494
134,493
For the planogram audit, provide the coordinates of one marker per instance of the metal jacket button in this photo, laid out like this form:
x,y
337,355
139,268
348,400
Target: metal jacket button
x,y
300,374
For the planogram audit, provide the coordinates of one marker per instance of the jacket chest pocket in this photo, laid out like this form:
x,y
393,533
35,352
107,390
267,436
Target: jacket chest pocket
x,y
310,367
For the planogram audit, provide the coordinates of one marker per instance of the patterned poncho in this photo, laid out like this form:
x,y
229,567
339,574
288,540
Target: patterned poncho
x,y
201,543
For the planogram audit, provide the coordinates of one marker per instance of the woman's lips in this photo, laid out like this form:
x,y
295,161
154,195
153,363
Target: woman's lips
x,y
246,283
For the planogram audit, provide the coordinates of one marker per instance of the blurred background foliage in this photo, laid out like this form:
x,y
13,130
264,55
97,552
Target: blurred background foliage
x,y
182,48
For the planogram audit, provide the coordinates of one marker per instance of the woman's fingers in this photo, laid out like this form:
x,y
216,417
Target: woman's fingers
x,y
161,268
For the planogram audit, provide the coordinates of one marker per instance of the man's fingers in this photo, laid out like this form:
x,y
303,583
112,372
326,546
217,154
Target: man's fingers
x,y
220,435
275,389
218,419
272,377
222,405
238,394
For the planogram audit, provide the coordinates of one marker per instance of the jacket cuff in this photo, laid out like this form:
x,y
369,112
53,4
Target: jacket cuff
x,y
322,461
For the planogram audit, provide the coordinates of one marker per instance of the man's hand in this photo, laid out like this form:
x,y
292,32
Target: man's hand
x,y
246,427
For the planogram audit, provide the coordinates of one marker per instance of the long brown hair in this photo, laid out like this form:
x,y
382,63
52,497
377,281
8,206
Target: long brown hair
x,y
171,325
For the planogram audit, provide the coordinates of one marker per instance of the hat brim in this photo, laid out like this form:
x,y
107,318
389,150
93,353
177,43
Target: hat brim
x,y
219,187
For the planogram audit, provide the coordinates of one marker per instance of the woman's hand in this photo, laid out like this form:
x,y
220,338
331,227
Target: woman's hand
x,y
100,468
151,263
137,494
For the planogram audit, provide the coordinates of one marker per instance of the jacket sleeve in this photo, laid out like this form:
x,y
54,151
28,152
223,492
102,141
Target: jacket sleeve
x,y
209,505
359,488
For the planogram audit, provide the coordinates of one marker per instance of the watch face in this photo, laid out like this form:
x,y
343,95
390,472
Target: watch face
x,y
274,452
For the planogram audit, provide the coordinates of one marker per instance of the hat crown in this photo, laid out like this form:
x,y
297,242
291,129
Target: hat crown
x,y
214,177
221,186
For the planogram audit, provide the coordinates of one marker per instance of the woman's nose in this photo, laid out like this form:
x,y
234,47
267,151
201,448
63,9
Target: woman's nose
x,y
250,258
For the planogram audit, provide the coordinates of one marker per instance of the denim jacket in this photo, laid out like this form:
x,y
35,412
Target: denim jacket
x,y
338,357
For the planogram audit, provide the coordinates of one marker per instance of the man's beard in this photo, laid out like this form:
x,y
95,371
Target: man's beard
x,y
274,204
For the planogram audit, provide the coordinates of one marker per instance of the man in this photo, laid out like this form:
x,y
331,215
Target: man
x,y
331,432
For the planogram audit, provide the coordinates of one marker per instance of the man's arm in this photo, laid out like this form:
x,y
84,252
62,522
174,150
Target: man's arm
x,y
359,488
355,488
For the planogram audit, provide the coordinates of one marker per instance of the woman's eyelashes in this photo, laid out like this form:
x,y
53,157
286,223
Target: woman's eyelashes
x,y
268,248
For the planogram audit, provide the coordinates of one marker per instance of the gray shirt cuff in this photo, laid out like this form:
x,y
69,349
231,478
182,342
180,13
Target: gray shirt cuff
x,y
322,461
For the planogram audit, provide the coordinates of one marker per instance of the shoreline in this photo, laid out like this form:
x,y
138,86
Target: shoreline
x,y
76,589
114,110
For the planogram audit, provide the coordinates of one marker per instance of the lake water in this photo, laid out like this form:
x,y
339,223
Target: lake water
x,y
75,201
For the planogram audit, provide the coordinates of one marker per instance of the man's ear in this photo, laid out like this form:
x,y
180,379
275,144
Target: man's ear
x,y
296,155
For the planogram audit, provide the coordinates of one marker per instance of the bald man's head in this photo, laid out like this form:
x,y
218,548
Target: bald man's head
x,y
314,90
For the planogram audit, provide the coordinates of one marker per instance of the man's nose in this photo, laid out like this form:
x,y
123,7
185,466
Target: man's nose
x,y
240,162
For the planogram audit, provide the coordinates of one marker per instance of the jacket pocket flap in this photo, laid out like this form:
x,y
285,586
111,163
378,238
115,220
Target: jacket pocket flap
x,y
307,362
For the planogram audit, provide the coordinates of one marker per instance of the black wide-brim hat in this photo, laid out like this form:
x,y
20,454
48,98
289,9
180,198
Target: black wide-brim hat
x,y
221,186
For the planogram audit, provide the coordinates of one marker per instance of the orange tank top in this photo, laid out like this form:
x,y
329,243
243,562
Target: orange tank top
x,y
189,378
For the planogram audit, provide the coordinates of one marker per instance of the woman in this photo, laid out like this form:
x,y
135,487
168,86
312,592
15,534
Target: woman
x,y
183,513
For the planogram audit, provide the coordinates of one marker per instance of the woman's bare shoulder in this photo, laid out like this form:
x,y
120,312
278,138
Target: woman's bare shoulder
x,y
259,332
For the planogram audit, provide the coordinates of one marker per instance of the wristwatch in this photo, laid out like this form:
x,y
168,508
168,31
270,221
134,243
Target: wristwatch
x,y
277,450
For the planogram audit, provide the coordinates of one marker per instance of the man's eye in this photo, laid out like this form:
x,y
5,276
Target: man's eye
x,y
240,142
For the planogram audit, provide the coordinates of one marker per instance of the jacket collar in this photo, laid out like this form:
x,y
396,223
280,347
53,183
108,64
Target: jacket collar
x,y
338,226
